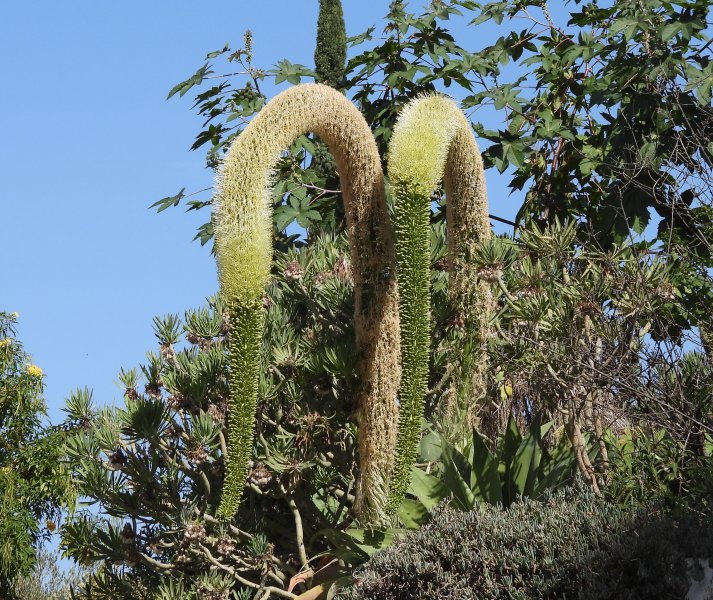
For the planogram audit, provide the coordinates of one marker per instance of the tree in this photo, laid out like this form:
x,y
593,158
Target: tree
x,y
609,121
330,55
47,581
34,483
154,466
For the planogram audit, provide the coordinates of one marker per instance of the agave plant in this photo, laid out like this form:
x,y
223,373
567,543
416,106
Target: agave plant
x,y
469,473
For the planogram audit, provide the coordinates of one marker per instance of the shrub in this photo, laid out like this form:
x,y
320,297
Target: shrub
x,y
571,545
153,466
34,483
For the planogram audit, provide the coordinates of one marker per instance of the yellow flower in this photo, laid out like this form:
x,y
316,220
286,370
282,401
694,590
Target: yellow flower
x,y
5,342
34,371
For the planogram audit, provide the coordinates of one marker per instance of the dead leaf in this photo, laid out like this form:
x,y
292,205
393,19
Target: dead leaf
x,y
301,577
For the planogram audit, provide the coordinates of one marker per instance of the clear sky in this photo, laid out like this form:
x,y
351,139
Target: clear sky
x,y
89,142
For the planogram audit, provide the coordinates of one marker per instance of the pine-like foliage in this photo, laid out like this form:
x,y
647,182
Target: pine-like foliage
x,y
154,465
331,52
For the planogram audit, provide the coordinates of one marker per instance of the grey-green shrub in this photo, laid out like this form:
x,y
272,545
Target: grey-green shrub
x,y
571,545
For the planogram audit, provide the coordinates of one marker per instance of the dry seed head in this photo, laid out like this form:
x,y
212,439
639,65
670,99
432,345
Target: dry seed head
x,y
293,271
167,351
197,456
194,532
225,546
342,269
216,412
260,475
117,459
131,393
127,533
321,277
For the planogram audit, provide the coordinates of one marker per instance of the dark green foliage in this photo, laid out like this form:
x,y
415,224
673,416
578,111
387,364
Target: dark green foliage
x,y
330,54
417,53
617,90
571,545
574,343
669,455
609,121
330,57
648,465
34,483
155,466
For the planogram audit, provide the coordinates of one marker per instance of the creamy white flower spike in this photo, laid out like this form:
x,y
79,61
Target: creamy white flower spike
x,y
243,245
433,143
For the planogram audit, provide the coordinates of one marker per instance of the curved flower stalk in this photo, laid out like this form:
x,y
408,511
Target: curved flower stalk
x,y
243,245
432,142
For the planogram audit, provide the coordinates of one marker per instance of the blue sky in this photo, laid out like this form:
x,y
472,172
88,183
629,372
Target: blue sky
x,y
89,142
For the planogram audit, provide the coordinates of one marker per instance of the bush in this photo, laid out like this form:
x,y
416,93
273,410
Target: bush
x,y
34,483
48,580
153,467
571,545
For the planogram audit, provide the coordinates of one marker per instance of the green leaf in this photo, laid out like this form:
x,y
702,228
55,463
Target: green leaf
x,y
361,38
217,53
485,467
626,24
344,546
298,209
430,448
458,477
412,513
362,542
205,233
292,72
195,79
428,489
670,30
164,203
523,471
511,441
557,467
